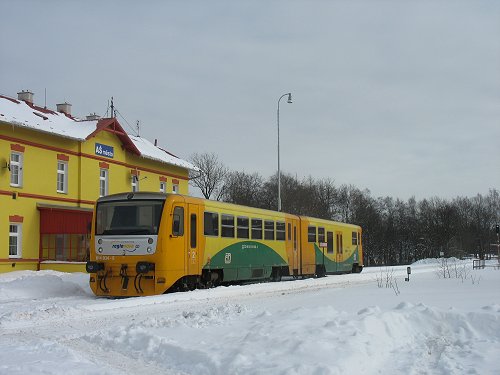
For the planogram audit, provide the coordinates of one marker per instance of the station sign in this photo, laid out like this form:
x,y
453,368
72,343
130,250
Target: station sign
x,y
104,150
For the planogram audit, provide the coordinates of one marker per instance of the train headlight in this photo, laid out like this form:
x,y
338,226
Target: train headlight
x,y
150,241
99,250
150,250
99,241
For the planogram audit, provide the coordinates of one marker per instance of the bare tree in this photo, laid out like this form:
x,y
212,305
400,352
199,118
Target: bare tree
x,y
243,188
212,176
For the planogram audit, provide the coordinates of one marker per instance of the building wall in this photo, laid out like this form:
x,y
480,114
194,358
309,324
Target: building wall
x,y
41,152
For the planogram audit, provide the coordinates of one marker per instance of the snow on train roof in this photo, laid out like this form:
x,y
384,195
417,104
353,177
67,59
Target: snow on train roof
x,y
22,114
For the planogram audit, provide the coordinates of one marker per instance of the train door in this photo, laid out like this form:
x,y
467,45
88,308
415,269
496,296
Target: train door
x,y
296,250
176,248
329,251
192,256
340,250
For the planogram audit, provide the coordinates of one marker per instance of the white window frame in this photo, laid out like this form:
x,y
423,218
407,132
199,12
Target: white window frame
x,y
163,187
18,166
135,183
103,182
62,176
18,236
175,188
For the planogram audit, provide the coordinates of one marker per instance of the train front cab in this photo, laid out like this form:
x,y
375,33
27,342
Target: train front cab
x,y
126,262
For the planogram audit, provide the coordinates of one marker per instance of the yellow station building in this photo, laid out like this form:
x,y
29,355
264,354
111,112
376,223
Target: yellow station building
x,y
53,167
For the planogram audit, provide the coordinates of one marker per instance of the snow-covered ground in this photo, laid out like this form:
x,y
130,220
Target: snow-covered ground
x,y
50,323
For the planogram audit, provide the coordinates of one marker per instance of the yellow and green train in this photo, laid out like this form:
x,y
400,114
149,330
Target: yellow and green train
x,y
151,243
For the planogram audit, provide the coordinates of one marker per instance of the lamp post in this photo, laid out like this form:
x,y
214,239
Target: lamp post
x,y
279,172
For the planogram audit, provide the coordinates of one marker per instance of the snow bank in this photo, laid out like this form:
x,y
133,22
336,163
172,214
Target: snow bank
x,y
51,323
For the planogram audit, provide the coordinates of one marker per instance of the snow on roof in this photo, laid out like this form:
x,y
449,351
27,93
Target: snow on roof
x,y
150,151
20,113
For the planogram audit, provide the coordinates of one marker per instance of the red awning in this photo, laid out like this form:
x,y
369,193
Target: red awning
x,y
64,221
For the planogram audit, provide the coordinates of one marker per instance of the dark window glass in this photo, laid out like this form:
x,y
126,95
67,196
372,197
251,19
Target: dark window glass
x,y
321,234
193,231
354,238
311,234
242,227
329,238
227,226
178,221
256,229
280,231
128,217
289,231
211,224
268,230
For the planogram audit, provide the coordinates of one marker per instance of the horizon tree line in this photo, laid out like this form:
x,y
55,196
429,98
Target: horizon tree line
x,y
394,231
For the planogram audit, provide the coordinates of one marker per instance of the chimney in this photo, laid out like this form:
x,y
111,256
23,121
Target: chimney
x,y
156,142
26,96
64,108
93,117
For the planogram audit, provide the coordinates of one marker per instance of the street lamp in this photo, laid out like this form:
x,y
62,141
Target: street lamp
x,y
279,172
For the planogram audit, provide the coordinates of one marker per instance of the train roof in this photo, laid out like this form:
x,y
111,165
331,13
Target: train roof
x,y
133,196
215,204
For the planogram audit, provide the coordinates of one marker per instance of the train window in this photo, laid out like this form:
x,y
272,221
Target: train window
x,y
311,234
178,221
359,238
211,224
289,231
193,231
354,238
329,242
227,226
242,227
256,229
268,230
321,235
280,231
340,247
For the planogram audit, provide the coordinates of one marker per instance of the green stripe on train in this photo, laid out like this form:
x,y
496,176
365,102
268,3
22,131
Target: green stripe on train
x,y
246,260
331,265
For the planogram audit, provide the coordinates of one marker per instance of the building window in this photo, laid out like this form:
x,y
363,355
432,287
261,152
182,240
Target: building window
x,y
175,188
16,169
62,176
163,187
15,240
65,247
103,182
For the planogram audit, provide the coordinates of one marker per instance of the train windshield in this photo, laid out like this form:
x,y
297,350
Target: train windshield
x,y
140,217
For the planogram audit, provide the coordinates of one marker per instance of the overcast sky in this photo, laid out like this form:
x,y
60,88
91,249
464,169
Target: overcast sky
x,y
399,97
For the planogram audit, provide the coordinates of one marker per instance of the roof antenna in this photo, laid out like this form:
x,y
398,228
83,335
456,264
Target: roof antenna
x,y
138,127
113,114
45,98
